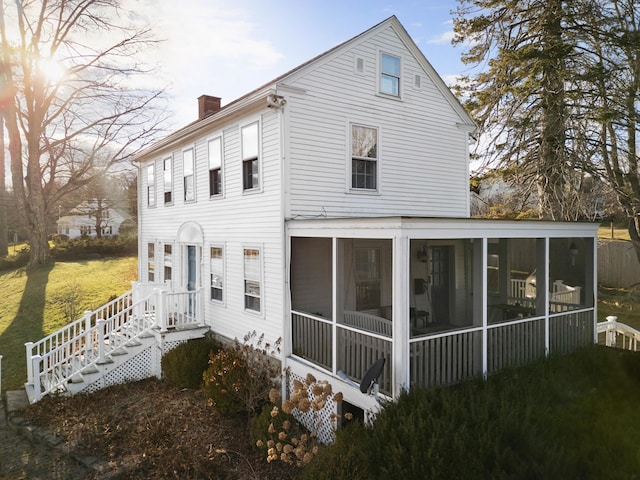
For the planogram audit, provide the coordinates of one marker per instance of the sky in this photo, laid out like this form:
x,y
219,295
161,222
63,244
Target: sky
x,y
227,48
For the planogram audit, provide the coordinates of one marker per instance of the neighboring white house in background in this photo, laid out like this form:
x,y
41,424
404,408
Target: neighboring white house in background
x,y
330,207
82,221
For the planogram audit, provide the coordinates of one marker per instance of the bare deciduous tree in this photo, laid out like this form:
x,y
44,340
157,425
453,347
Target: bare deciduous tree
x,y
75,100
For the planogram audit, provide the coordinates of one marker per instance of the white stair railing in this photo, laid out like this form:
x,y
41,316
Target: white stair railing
x,y
91,340
55,359
629,336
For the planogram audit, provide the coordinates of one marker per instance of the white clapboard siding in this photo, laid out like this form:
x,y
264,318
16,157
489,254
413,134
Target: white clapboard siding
x,y
235,220
422,152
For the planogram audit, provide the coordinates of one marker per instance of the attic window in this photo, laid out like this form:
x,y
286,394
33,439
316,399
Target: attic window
x,y
358,65
417,81
389,74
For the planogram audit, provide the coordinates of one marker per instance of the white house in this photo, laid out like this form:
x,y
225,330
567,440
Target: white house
x,y
330,207
82,221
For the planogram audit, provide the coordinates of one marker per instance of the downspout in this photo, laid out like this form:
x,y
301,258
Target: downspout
x,y
278,102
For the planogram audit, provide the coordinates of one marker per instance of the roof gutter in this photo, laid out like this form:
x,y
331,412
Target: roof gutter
x,y
257,99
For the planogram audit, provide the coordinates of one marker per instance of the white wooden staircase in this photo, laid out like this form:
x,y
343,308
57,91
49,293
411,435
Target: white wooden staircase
x,y
123,340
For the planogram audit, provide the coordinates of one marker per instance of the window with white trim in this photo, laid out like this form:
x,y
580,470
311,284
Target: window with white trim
x,y
187,173
252,279
168,180
151,186
151,264
215,166
364,157
217,273
250,157
168,261
389,74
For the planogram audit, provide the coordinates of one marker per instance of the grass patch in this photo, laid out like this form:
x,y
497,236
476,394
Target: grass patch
x,y
39,301
617,233
623,303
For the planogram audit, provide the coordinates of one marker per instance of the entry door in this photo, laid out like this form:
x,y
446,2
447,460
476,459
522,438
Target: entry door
x,y
192,276
440,282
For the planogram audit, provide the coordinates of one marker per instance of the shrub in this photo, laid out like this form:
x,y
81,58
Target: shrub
x,y
240,377
12,262
279,434
183,366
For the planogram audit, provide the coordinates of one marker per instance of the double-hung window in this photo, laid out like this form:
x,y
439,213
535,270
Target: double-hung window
x,y
217,273
389,74
151,264
364,157
187,173
151,186
168,180
250,157
215,166
252,279
168,261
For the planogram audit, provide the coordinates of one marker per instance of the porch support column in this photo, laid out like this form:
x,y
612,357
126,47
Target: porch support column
x,y
400,315
334,304
542,287
485,307
591,281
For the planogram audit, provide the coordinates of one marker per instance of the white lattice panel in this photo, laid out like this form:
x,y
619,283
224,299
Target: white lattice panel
x,y
137,368
323,422
170,345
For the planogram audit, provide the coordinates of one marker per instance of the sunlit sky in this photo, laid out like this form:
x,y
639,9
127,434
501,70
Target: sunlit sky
x,y
227,48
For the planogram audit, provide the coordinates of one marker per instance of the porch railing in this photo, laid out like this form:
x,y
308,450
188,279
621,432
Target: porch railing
x,y
619,335
442,358
446,358
562,297
90,340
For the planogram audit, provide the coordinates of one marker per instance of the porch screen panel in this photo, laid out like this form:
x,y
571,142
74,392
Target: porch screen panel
x,y
570,274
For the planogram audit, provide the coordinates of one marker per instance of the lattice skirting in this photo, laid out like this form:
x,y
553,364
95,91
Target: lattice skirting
x,y
323,422
134,369
143,365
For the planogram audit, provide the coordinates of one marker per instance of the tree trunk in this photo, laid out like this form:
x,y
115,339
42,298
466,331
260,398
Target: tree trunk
x,y
4,234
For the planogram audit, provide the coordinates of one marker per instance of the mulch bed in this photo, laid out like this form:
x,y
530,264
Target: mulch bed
x,y
149,429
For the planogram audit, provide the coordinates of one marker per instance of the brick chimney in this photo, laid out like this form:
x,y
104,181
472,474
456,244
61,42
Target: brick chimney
x,y
207,105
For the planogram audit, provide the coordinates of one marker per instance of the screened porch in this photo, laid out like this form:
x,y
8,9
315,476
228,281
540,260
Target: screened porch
x,y
441,300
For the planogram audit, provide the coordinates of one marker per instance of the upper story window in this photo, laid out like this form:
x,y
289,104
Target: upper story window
x,y
364,157
168,180
151,186
250,158
389,74
252,279
217,273
215,166
189,178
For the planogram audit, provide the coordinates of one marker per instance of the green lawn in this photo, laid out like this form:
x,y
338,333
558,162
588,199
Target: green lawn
x,y
37,302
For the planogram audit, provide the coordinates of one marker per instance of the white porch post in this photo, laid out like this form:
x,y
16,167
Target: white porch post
x,y
542,288
29,352
37,384
401,316
485,307
160,297
101,350
334,304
